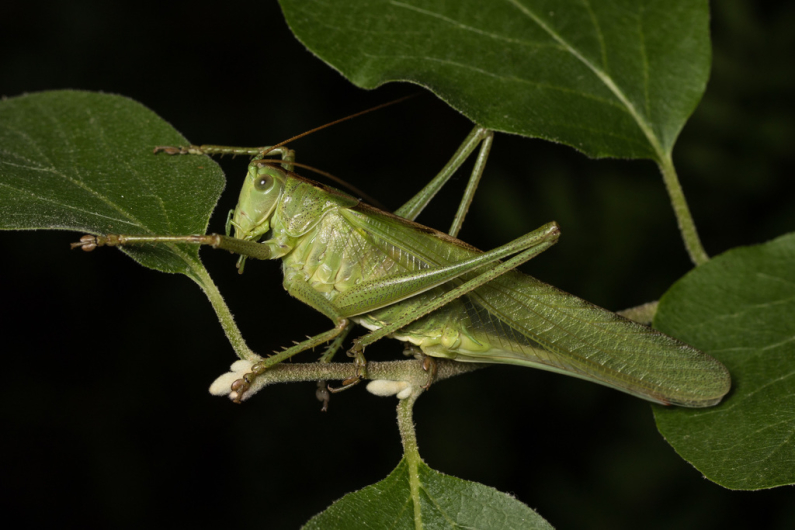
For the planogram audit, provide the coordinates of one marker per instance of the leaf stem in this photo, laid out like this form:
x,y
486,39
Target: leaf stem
x,y
406,424
683,217
411,453
202,277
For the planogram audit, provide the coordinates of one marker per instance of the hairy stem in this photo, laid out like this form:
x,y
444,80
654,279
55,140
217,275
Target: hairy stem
x,y
202,277
410,371
411,453
683,217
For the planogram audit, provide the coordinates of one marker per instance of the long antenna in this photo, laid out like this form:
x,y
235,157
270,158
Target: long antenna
x,y
346,118
350,187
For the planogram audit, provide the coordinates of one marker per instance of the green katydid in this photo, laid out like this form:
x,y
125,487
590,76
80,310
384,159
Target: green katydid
x,y
355,263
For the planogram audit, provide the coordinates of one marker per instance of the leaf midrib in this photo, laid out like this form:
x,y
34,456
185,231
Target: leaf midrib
x,y
603,77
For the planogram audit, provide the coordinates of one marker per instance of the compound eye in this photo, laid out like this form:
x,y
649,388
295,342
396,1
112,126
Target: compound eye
x,y
263,183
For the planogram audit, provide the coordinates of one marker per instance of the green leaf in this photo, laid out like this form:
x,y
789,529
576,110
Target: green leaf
x,y
739,308
444,501
610,78
83,161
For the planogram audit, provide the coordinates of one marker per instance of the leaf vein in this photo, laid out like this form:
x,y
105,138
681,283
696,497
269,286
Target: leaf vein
x,y
644,126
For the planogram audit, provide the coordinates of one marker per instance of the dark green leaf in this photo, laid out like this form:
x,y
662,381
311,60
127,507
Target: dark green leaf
x,y
83,161
739,308
445,502
610,78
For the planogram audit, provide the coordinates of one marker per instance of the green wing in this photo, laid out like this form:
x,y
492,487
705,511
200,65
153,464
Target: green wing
x,y
531,323
520,320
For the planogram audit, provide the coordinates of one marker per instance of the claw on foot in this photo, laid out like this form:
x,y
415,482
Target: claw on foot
x,y
430,366
176,150
238,388
346,384
322,394
234,383
87,243
357,352
167,149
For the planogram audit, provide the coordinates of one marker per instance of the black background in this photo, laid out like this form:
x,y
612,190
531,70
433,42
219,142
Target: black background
x,y
105,413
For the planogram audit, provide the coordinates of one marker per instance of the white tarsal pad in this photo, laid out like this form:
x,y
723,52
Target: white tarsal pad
x,y
223,385
383,388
